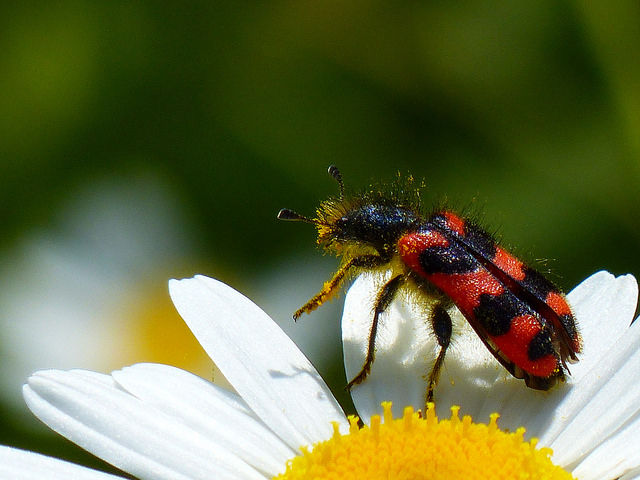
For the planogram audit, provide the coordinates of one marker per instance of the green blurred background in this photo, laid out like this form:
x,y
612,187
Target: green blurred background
x,y
141,141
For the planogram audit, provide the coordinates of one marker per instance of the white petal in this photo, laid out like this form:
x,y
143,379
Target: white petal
x,y
22,465
264,366
617,456
94,412
212,412
600,405
631,474
604,306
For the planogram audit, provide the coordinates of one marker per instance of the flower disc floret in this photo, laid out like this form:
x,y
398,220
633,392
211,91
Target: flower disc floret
x,y
417,448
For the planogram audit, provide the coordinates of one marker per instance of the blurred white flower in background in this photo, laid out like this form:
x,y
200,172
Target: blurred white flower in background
x,y
89,287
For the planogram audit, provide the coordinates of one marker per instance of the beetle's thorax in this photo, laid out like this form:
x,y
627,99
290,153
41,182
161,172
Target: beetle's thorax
x,y
378,226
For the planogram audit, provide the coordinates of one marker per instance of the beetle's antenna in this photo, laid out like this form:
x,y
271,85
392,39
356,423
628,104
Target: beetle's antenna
x,y
290,215
287,214
335,173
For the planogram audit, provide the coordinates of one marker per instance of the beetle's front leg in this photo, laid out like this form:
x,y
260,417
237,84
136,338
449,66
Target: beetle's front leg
x,y
330,287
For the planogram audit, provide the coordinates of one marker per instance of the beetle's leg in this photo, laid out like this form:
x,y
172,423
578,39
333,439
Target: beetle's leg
x,y
329,288
384,298
441,324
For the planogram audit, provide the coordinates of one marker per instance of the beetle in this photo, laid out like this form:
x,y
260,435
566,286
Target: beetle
x,y
522,318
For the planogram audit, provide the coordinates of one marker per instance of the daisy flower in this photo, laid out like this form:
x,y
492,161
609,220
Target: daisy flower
x,y
155,421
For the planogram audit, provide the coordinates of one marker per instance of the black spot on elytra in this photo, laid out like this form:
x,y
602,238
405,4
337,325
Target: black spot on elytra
x,y
540,346
537,284
496,312
480,241
476,238
450,259
569,324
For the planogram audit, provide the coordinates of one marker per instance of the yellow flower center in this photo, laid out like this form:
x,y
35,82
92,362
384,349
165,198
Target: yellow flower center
x,y
416,448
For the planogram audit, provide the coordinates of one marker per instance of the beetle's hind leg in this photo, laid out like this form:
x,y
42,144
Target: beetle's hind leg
x,y
442,328
384,298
